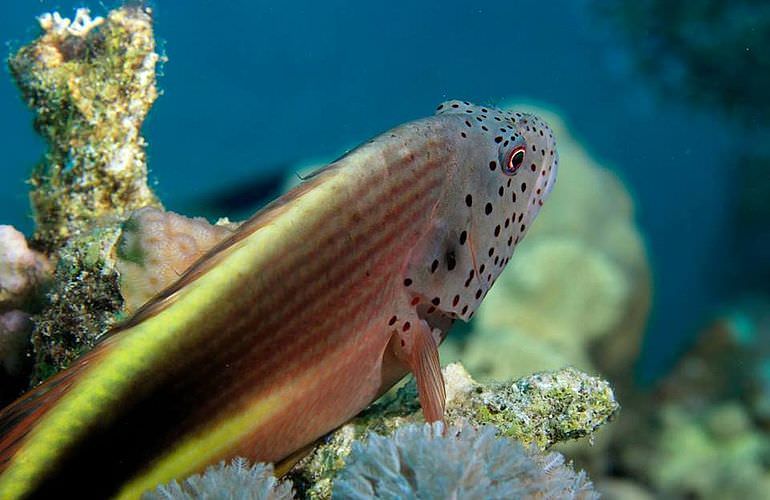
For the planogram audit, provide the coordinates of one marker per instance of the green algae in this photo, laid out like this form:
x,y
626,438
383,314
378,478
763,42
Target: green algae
x,y
83,303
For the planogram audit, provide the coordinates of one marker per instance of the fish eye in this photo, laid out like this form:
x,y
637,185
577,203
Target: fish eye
x,y
515,160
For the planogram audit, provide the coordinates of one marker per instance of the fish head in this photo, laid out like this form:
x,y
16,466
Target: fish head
x,y
504,167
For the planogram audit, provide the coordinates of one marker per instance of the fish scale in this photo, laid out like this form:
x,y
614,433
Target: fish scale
x,y
294,324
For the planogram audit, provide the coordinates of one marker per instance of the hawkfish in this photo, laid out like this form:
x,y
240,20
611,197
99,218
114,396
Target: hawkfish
x,y
297,321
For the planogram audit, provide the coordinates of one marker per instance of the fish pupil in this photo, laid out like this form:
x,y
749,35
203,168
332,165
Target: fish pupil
x,y
516,160
451,260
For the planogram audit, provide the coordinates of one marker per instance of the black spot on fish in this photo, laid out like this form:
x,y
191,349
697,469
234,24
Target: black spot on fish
x,y
463,237
392,321
469,200
434,266
407,282
492,165
488,208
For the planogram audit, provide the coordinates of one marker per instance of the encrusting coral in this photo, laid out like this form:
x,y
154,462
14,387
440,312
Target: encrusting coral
x,y
236,480
539,410
157,246
430,462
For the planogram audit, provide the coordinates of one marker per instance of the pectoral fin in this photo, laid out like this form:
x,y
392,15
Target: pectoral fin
x,y
424,363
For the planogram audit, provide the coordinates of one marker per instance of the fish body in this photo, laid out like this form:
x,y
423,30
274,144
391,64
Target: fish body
x,y
298,321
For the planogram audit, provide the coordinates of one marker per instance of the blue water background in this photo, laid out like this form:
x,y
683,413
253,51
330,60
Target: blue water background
x,y
254,86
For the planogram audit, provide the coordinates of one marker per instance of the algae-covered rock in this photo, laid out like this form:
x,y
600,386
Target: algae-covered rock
x,y
539,410
83,303
90,82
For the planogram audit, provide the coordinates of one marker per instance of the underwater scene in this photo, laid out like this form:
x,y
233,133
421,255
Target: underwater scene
x,y
264,250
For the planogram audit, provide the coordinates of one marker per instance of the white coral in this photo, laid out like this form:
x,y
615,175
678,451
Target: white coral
x,y
80,26
424,461
236,480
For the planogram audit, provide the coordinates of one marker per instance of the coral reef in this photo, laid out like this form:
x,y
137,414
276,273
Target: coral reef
x,y
422,461
717,453
234,480
91,83
156,247
702,432
538,410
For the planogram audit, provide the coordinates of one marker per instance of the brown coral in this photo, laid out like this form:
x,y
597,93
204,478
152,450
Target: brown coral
x,y
156,247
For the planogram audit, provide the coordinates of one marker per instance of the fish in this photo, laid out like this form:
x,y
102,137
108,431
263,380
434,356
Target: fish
x,y
300,319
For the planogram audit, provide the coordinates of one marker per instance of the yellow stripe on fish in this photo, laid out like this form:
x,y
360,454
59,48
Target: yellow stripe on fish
x,y
300,319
